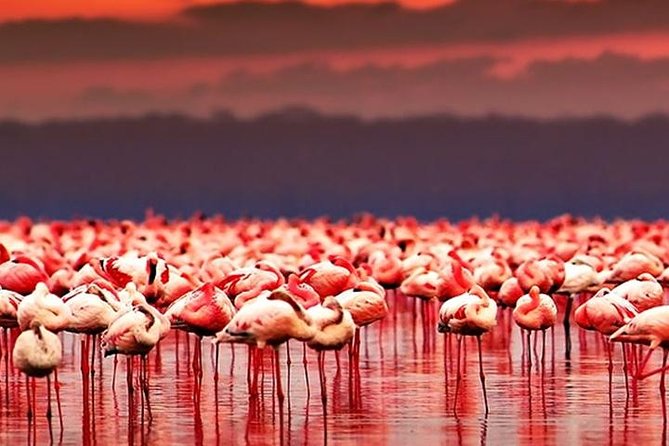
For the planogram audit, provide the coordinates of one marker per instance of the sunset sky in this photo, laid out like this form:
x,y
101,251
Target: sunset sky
x,y
537,58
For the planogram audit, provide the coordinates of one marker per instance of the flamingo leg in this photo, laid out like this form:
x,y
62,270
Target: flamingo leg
x,y
305,363
217,354
663,392
56,386
145,385
321,373
543,353
652,372
29,399
482,375
625,371
114,372
458,377
567,328
48,398
639,375
529,352
277,372
609,349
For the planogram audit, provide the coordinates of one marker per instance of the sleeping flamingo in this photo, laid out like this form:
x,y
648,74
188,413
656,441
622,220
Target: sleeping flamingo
x,y
272,321
470,314
204,311
535,312
22,274
45,308
244,284
37,353
334,329
605,313
644,292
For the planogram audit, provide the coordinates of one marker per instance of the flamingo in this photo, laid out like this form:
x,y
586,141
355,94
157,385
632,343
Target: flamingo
x,y
135,332
245,284
269,321
547,273
458,279
331,277
635,263
204,311
43,307
22,274
386,267
644,292
509,292
93,307
535,312
37,353
334,329
9,305
650,327
605,313
490,273
579,276
470,314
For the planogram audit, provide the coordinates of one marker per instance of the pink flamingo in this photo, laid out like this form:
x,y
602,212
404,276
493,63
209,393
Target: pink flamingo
x,y
334,329
330,277
470,314
37,353
509,293
9,305
651,328
45,308
644,292
92,307
22,274
269,321
635,263
245,284
204,311
136,332
535,312
547,273
605,313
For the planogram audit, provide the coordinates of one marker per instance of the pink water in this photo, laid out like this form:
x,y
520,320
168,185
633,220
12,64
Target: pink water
x,y
405,396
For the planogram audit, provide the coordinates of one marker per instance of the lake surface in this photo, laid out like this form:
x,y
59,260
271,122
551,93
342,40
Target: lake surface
x,y
405,394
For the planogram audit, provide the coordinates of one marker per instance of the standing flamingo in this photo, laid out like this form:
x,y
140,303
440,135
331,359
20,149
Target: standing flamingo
x,y
535,312
204,311
470,314
37,353
269,321
651,328
579,276
135,332
605,313
334,329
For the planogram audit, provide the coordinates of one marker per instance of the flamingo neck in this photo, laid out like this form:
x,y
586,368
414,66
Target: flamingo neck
x,y
532,304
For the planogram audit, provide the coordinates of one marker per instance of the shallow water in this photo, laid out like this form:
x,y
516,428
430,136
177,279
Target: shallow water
x,y
406,395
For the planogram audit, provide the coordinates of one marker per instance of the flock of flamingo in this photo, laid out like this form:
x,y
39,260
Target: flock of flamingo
x,y
122,286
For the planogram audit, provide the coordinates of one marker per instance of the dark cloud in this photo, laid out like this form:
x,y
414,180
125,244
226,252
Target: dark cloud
x,y
262,28
610,84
